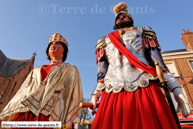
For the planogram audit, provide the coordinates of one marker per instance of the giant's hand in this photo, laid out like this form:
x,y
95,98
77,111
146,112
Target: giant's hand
x,y
182,101
93,101
94,98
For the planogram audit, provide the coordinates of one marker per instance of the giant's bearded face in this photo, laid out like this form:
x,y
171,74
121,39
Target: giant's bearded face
x,y
123,21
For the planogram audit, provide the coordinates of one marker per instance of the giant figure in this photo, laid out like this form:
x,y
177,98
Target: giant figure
x,y
131,97
50,92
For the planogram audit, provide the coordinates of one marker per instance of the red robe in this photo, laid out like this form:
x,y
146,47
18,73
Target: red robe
x,y
145,108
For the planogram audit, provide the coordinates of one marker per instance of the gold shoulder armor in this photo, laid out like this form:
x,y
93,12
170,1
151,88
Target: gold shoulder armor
x,y
101,43
148,32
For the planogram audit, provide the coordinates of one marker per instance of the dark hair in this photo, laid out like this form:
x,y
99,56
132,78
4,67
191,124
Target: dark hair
x,y
64,54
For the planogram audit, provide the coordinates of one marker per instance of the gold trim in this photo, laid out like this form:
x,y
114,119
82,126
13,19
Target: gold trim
x,y
109,87
101,44
27,103
131,86
143,82
149,34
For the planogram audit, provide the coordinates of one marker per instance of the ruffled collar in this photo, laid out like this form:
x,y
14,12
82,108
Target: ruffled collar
x,y
53,62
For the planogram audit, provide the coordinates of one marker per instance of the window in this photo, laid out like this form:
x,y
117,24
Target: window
x,y
172,68
190,62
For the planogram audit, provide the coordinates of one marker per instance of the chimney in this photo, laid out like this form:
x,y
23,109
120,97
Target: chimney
x,y
187,38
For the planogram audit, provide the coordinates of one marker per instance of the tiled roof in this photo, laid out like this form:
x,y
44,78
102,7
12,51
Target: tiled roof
x,y
9,67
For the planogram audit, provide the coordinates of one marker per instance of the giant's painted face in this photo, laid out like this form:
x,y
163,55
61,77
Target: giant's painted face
x,y
56,49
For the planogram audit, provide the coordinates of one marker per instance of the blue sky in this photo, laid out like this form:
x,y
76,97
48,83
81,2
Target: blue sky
x,y
26,26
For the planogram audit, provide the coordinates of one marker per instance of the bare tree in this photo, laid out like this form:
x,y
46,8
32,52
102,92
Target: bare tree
x,y
85,114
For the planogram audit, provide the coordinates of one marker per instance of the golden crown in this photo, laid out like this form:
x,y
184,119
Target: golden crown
x,y
58,38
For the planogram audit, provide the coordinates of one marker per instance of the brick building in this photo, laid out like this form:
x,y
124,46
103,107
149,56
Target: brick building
x,y
12,74
180,63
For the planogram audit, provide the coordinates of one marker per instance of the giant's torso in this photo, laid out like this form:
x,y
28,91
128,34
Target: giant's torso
x,y
121,73
51,97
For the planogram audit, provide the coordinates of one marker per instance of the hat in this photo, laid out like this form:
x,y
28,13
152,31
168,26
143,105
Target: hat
x,y
121,8
58,38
